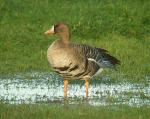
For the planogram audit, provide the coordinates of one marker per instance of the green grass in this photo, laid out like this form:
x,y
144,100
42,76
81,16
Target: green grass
x,y
121,26
72,112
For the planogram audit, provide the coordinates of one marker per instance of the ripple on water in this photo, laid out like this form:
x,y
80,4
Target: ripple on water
x,y
48,88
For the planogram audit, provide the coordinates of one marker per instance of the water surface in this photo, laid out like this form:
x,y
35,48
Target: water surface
x,y
48,88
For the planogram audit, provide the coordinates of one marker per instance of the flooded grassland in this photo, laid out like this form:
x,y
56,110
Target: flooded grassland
x,y
36,87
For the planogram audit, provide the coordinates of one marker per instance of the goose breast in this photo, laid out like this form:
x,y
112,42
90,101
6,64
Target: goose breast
x,y
58,57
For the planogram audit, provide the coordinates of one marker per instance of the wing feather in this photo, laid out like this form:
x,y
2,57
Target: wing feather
x,y
98,55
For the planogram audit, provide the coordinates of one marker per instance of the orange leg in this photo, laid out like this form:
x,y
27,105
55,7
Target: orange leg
x,y
87,86
65,87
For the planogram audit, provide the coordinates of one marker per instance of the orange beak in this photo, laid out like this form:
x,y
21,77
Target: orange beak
x,y
50,31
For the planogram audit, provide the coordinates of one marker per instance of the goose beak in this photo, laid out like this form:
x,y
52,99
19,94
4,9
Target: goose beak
x,y
50,31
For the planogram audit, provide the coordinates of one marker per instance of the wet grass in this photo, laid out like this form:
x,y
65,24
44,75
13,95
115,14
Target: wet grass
x,y
48,88
122,27
72,112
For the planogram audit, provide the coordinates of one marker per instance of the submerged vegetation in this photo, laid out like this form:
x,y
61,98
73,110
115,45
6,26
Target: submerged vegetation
x,y
31,88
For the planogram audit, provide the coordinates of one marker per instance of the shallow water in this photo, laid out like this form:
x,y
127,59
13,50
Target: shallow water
x,y
48,88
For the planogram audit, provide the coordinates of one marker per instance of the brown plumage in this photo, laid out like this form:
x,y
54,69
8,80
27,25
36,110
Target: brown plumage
x,y
76,61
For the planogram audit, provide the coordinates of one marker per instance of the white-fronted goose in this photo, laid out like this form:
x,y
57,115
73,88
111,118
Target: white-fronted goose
x,y
76,61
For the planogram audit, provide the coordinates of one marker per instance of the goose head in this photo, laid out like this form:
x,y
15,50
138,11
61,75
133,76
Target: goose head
x,y
59,29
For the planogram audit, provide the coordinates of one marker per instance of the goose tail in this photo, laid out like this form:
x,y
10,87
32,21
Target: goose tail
x,y
109,61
